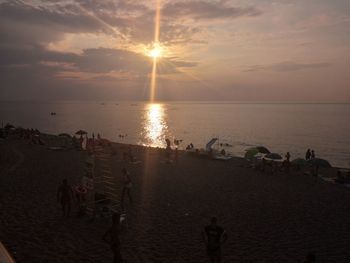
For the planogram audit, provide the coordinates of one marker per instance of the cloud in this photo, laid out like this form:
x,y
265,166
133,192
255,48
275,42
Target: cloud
x,y
206,10
287,66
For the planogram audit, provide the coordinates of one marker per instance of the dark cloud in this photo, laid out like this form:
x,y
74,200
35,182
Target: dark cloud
x,y
287,66
67,18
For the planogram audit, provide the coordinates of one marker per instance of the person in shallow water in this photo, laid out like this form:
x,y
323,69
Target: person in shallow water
x,y
65,195
214,236
112,238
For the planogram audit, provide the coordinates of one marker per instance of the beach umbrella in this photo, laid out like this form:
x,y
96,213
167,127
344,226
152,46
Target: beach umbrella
x,y
320,162
274,156
250,153
81,132
262,149
65,135
299,161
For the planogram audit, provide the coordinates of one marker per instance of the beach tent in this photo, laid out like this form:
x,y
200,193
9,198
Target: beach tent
x,y
250,153
299,162
254,151
273,156
262,149
320,162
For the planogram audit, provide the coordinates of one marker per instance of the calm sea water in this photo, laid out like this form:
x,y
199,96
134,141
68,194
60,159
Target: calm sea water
x,y
280,127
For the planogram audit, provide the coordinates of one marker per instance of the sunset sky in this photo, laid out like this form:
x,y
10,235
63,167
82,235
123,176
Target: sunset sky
x,y
237,50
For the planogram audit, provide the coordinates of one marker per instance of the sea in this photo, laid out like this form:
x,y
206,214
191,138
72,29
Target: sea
x,y
281,127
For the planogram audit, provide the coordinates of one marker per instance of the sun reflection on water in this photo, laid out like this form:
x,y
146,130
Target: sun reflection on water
x,y
154,126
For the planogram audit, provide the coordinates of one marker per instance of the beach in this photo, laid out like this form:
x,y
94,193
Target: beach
x,y
268,218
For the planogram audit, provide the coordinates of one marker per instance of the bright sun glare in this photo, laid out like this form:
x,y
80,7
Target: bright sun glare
x,y
156,51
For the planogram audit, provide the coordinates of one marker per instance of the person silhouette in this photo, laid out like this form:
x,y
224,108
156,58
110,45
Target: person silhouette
x,y
214,236
111,237
127,184
64,196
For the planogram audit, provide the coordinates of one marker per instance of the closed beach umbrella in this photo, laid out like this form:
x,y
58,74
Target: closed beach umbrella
x,y
250,153
81,132
262,149
320,162
274,156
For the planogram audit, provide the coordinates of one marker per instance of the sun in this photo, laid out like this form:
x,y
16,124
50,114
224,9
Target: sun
x,y
155,51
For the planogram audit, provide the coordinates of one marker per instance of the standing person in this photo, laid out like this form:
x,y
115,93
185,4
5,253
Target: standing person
x,y
65,195
112,238
287,156
214,236
176,154
93,141
308,154
287,162
313,156
127,184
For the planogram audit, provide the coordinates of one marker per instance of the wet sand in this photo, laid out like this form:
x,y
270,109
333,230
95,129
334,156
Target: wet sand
x,y
268,218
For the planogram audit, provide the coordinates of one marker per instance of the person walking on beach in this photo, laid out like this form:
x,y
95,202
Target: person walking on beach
x,y
111,237
308,154
214,236
127,184
64,196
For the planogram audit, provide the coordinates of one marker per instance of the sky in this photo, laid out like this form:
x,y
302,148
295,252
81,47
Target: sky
x,y
231,50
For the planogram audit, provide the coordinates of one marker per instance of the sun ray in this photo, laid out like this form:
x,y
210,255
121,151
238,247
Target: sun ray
x,y
156,52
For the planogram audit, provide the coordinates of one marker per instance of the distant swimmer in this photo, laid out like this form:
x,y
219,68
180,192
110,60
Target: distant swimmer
x,y
65,196
214,236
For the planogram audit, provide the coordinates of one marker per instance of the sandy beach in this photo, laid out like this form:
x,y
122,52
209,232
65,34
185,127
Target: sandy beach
x,y
268,218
